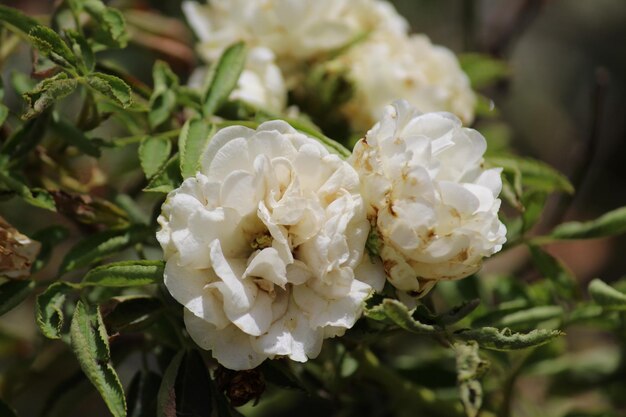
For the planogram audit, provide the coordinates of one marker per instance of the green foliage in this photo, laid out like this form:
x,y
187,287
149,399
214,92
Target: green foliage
x,y
483,69
163,98
167,178
505,339
125,274
470,367
142,394
610,224
90,343
51,44
398,313
554,270
154,151
12,293
102,245
89,114
535,174
223,78
34,196
112,87
47,92
607,296
193,141
17,19
49,309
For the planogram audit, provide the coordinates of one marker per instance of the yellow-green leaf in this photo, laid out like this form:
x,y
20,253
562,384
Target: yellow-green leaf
x,y
90,343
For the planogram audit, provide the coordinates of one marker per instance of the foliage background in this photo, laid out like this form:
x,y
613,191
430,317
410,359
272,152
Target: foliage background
x,y
564,102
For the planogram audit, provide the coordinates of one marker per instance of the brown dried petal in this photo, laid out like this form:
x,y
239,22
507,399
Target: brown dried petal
x,y
17,252
240,386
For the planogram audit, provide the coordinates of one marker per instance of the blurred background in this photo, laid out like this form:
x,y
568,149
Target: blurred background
x,y
564,103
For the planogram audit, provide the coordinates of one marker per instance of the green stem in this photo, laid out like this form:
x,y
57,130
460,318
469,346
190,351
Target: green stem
x,y
421,400
129,140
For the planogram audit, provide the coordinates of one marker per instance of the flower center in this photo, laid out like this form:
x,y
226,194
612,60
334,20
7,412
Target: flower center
x,y
261,240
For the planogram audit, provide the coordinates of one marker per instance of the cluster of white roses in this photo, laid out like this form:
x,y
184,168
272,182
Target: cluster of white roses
x,y
265,246
287,36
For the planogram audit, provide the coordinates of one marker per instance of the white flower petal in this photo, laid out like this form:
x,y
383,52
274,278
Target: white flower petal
x,y
253,230
268,264
230,346
434,206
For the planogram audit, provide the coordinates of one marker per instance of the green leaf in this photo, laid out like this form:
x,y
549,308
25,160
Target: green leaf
x,y
163,99
551,268
224,77
607,296
505,339
535,174
400,315
35,196
470,367
186,388
12,293
459,312
132,209
142,394
47,92
133,313
125,274
25,138
75,137
82,50
525,318
154,152
534,203
17,19
313,131
112,87
90,343
49,309
193,141
101,245
193,387
110,23
52,45
167,179
482,69
166,399
609,224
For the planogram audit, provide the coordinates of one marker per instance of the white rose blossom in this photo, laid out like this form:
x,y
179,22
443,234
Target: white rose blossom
x,y
434,206
387,67
261,82
295,30
261,246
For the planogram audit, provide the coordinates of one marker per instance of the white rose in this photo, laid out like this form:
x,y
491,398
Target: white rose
x,y
295,30
386,67
261,82
262,245
434,206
